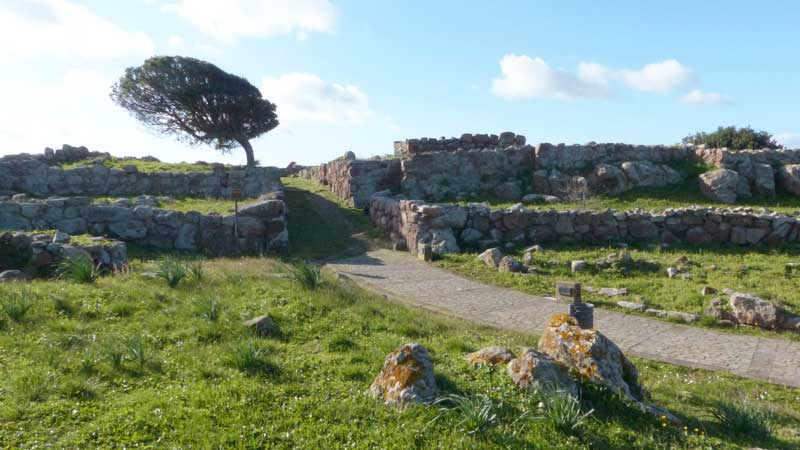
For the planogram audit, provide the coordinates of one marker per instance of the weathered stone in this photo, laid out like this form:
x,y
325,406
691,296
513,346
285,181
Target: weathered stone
x,y
789,176
407,376
578,266
491,257
13,275
754,311
590,356
262,325
509,264
128,230
535,370
491,356
720,185
764,182
632,306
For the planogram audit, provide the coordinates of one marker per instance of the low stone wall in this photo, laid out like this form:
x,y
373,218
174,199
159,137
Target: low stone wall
x,y
584,158
449,228
465,142
33,174
355,180
436,176
261,226
33,252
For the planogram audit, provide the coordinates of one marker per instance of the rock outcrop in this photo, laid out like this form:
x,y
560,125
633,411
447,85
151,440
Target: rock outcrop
x,y
406,376
535,370
491,356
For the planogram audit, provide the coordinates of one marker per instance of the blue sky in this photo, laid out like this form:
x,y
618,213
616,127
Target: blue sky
x,y
357,75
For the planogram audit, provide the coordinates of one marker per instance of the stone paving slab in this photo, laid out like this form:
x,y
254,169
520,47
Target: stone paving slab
x,y
402,277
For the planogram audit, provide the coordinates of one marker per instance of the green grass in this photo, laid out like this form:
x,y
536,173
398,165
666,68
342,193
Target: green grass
x,y
312,205
203,205
758,271
143,166
75,374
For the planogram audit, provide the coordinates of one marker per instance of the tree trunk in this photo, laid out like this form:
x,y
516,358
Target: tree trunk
x,y
248,149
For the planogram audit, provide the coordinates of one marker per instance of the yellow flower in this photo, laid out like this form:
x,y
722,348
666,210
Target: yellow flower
x,y
696,430
663,417
685,427
663,425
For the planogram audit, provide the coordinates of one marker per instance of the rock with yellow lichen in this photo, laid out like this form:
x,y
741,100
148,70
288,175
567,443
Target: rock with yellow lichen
x,y
535,370
589,355
407,376
491,356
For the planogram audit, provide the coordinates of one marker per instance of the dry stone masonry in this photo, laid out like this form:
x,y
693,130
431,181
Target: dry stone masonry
x,y
37,175
450,228
505,167
261,226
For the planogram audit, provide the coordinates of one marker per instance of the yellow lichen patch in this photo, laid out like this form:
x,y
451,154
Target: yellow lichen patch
x,y
556,320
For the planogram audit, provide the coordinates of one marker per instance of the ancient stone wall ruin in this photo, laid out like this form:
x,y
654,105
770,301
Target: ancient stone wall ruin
x,y
450,228
356,180
35,175
465,142
503,167
261,227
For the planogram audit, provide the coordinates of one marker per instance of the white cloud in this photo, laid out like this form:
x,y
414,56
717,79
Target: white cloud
x,y
660,77
176,43
788,140
526,77
701,97
61,28
230,20
304,97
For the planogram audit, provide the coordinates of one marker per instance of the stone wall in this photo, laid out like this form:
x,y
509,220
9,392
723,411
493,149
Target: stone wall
x,y
33,252
583,158
449,228
465,142
261,226
34,174
355,180
436,176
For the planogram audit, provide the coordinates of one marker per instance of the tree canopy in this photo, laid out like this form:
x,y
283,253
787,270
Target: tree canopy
x,y
733,138
197,102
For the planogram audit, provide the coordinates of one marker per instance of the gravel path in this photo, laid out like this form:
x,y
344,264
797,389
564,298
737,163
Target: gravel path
x,y
403,278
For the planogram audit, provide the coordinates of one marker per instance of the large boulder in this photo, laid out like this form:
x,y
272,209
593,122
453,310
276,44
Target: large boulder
x,y
647,174
509,264
535,370
491,356
749,309
764,181
406,376
720,185
608,179
789,176
590,356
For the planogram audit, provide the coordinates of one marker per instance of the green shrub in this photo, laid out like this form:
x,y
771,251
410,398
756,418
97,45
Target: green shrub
x,y
17,304
79,269
744,417
474,415
172,270
733,138
306,275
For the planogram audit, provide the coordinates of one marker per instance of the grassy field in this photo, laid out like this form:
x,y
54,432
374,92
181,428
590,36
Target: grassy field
x,y
130,362
759,272
143,166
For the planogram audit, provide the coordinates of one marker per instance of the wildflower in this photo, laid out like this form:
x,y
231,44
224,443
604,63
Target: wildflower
x,y
663,425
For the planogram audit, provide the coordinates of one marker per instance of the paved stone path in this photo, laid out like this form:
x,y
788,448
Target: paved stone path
x,y
404,278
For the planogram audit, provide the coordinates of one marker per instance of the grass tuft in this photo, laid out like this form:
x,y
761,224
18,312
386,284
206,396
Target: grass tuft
x,y
172,270
563,411
208,308
16,305
306,275
246,356
474,415
744,417
79,269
